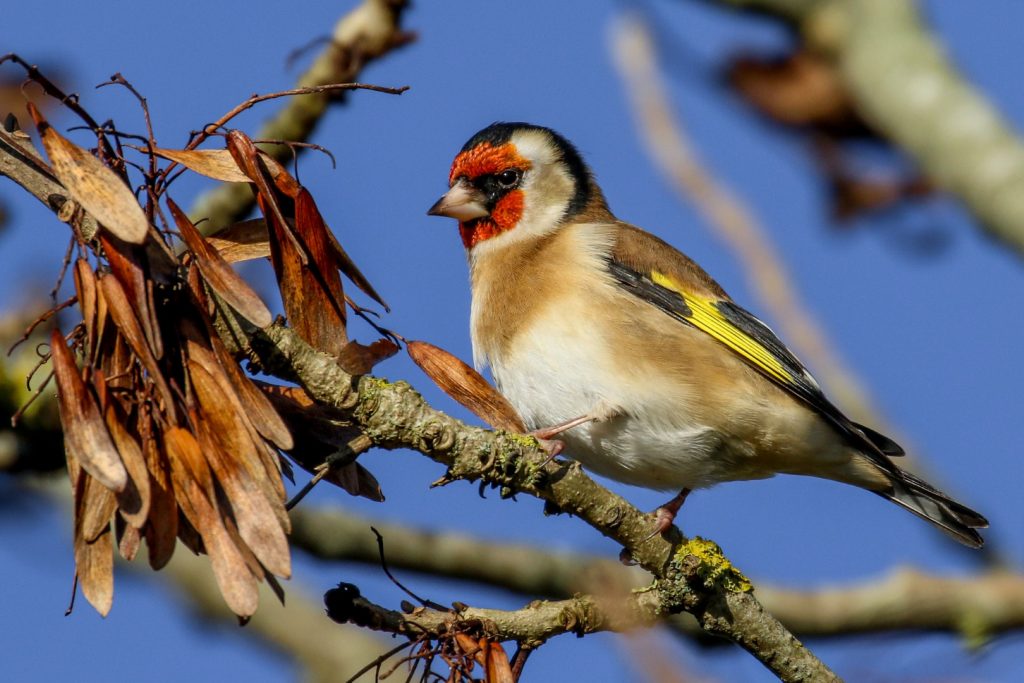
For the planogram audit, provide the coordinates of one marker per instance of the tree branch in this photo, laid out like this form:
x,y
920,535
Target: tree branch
x,y
976,606
692,575
901,81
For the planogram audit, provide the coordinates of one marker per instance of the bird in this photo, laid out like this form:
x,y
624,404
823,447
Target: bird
x,y
605,336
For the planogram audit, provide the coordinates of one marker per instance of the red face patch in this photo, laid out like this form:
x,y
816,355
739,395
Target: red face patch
x,y
505,216
485,159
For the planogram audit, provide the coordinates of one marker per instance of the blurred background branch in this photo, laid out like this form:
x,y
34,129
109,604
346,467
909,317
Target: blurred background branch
x,y
368,32
901,83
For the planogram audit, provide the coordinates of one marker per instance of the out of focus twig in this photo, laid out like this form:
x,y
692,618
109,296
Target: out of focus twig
x,y
368,32
976,606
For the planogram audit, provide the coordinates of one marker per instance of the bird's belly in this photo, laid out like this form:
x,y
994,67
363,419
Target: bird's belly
x,y
646,438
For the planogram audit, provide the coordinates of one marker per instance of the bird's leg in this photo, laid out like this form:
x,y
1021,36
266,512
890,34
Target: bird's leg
x,y
666,514
546,435
549,433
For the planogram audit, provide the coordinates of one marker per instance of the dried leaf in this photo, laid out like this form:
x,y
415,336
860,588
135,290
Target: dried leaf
x,y
498,669
129,265
259,525
90,183
358,359
94,563
221,277
85,288
466,386
217,163
312,312
85,434
256,406
471,646
128,324
128,539
133,502
97,508
236,582
242,241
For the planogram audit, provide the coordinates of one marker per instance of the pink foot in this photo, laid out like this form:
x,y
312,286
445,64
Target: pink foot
x,y
666,514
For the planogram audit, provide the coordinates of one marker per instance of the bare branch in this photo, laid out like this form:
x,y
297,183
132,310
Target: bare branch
x,y
977,606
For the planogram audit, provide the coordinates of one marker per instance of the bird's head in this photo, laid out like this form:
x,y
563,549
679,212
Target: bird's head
x,y
514,180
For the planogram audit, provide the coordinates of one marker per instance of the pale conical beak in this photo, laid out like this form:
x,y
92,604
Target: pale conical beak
x,y
463,202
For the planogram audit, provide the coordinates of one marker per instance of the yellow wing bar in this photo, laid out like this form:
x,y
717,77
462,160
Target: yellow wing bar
x,y
707,317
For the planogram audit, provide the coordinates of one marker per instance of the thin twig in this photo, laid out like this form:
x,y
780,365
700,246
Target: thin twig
x,y
211,128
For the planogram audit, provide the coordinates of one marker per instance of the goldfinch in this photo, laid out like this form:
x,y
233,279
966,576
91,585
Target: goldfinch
x,y
603,334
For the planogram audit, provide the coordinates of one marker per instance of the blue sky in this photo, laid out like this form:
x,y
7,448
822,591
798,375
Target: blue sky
x,y
929,335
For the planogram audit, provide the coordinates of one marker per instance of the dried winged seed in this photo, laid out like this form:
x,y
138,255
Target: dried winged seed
x,y
128,324
130,267
248,404
85,434
258,407
242,241
85,286
161,528
237,583
129,540
358,359
134,501
212,163
356,480
498,669
247,156
311,309
465,385
471,646
217,163
188,462
90,183
94,563
314,233
258,515
221,277
97,507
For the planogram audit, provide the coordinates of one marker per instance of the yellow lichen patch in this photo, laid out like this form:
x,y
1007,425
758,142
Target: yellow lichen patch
x,y
715,568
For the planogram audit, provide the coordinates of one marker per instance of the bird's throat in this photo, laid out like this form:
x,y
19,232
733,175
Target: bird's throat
x,y
505,216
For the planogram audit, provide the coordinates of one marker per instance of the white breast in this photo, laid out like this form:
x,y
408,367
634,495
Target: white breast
x,y
561,369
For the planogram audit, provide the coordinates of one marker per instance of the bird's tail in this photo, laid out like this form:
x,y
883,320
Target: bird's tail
x,y
921,498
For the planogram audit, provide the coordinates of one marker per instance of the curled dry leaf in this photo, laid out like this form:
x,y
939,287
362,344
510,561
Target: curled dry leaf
x,y
90,183
219,274
465,385
85,433
320,431
359,359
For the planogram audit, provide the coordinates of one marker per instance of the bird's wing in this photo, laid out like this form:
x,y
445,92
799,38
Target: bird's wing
x,y
656,273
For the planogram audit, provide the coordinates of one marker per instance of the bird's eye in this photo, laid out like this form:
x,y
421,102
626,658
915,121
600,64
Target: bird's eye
x,y
508,178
